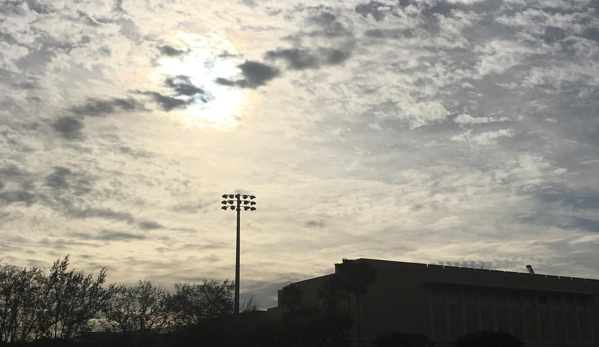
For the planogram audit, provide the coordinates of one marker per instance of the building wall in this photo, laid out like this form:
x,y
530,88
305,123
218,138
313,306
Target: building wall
x,y
544,309
445,302
533,316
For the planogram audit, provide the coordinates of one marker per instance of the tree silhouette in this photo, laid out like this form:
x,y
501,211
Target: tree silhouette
x,y
331,291
61,306
355,278
72,299
138,310
488,338
402,340
301,324
19,294
292,298
337,323
193,303
58,305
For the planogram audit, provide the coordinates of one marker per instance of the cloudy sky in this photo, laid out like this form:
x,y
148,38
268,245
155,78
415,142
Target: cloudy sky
x,y
461,132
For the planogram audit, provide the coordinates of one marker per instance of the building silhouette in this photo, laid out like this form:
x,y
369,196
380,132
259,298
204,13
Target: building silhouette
x,y
446,302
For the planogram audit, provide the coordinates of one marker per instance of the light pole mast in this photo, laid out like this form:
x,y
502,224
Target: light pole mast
x,y
246,202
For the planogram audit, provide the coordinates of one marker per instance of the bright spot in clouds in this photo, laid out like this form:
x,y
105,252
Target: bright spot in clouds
x,y
206,59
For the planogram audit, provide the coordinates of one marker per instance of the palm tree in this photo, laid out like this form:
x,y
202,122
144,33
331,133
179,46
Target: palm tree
x,y
356,277
337,324
292,298
330,292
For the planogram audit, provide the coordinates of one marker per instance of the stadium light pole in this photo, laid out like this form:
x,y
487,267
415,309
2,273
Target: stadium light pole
x,y
237,202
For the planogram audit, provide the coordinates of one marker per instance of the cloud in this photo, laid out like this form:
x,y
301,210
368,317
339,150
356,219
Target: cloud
x,y
255,75
500,55
64,179
563,220
97,107
330,27
136,153
12,172
185,93
376,9
189,208
149,225
250,3
170,51
58,179
168,103
575,199
107,235
315,224
588,224
9,56
39,7
225,82
297,59
29,84
333,56
418,114
182,86
102,213
15,196
70,128
300,59
468,119
485,138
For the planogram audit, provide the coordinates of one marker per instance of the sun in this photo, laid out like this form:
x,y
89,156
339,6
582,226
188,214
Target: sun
x,y
205,59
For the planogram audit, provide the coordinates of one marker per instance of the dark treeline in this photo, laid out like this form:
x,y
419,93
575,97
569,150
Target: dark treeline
x,y
64,307
58,304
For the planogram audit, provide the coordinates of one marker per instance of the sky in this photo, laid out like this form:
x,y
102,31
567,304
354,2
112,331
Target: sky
x,y
454,132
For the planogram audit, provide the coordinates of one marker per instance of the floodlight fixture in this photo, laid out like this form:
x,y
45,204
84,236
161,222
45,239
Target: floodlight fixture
x,y
224,207
252,197
225,196
231,196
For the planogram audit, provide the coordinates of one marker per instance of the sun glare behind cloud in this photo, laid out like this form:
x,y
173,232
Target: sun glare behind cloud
x,y
207,58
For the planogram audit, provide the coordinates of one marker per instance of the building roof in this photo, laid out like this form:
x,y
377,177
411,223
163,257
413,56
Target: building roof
x,y
467,276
